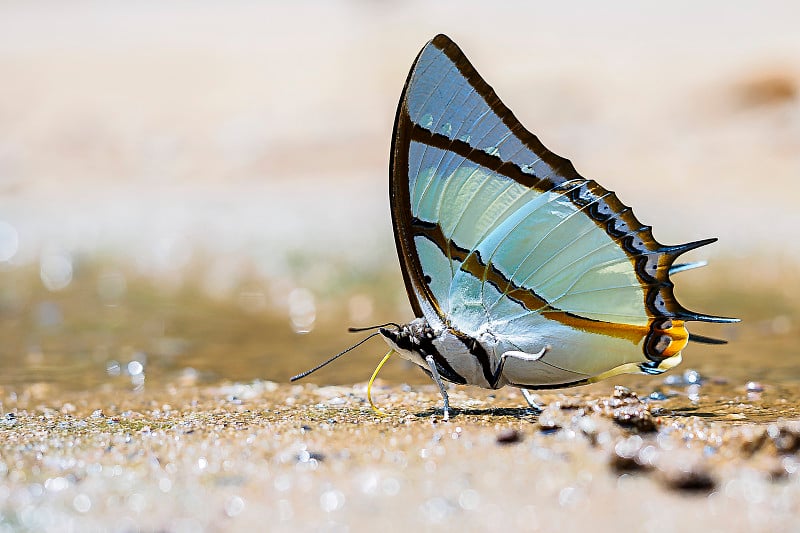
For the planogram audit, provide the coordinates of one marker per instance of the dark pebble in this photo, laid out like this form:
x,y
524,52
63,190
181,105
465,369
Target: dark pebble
x,y
509,436
624,393
626,456
785,436
686,470
637,417
306,456
621,464
695,480
548,422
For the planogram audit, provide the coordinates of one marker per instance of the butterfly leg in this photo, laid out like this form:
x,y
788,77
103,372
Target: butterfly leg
x,y
531,399
522,356
438,379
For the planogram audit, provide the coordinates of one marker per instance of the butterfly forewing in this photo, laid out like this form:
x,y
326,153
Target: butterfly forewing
x,y
447,99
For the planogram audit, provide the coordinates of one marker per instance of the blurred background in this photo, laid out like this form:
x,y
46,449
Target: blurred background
x,y
198,191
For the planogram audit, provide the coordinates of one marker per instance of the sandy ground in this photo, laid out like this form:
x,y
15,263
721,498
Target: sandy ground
x,y
294,458
261,456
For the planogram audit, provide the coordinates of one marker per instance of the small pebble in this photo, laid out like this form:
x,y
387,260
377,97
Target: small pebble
x,y
697,478
508,436
686,471
693,377
628,410
548,422
752,439
754,386
624,393
689,377
636,417
306,456
785,436
625,457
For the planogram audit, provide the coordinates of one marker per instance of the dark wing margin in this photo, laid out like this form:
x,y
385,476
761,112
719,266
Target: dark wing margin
x,y
400,205
653,261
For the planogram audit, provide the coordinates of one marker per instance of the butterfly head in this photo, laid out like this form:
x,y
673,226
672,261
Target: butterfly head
x,y
410,339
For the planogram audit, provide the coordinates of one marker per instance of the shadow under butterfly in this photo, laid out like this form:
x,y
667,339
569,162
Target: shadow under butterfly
x,y
519,270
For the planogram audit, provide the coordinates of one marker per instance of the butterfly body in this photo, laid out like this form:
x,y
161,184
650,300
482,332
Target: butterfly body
x,y
494,356
520,271
459,358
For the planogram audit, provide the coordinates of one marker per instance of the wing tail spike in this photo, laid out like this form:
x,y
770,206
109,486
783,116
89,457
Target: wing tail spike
x,y
702,339
697,317
680,249
682,267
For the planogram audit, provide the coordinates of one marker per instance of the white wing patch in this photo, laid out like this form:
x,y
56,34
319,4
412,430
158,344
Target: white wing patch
x,y
437,267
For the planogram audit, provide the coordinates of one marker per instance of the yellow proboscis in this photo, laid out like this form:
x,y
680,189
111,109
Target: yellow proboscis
x,y
369,386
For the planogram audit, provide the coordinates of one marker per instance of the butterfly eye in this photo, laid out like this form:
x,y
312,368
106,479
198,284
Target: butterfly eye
x,y
427,279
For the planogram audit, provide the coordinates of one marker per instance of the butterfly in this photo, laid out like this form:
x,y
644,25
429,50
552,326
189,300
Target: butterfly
x,y
519,270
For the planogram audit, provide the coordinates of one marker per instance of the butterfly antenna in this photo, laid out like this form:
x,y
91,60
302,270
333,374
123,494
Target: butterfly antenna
x,y
332,359
356,330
